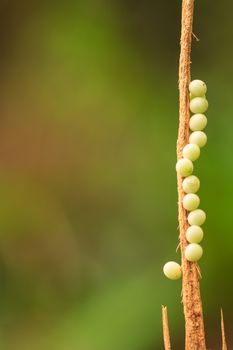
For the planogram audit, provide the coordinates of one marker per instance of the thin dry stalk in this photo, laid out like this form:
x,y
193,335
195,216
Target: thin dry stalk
x,y
224,342
194,324
166,335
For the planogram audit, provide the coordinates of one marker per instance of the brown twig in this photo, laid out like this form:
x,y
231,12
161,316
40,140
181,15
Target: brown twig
x,y
224,342
194,324
166,335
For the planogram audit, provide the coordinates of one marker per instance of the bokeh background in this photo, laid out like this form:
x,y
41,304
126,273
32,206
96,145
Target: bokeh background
x,y
88,203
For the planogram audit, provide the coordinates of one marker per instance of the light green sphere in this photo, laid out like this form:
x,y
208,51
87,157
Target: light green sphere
x,y
184,167
172,270
198,138
199,105
198,122
197,88
191,184
191,201
197,217
194,234
193,252
191,151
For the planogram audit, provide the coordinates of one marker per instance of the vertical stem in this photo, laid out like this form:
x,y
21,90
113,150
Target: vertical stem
x,y
194,324
224,342
166,335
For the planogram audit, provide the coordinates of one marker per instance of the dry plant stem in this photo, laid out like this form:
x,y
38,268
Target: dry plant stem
x,y
166,335
224,342
194,325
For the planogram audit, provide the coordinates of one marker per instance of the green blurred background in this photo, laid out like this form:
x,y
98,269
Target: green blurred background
x,y
88,203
